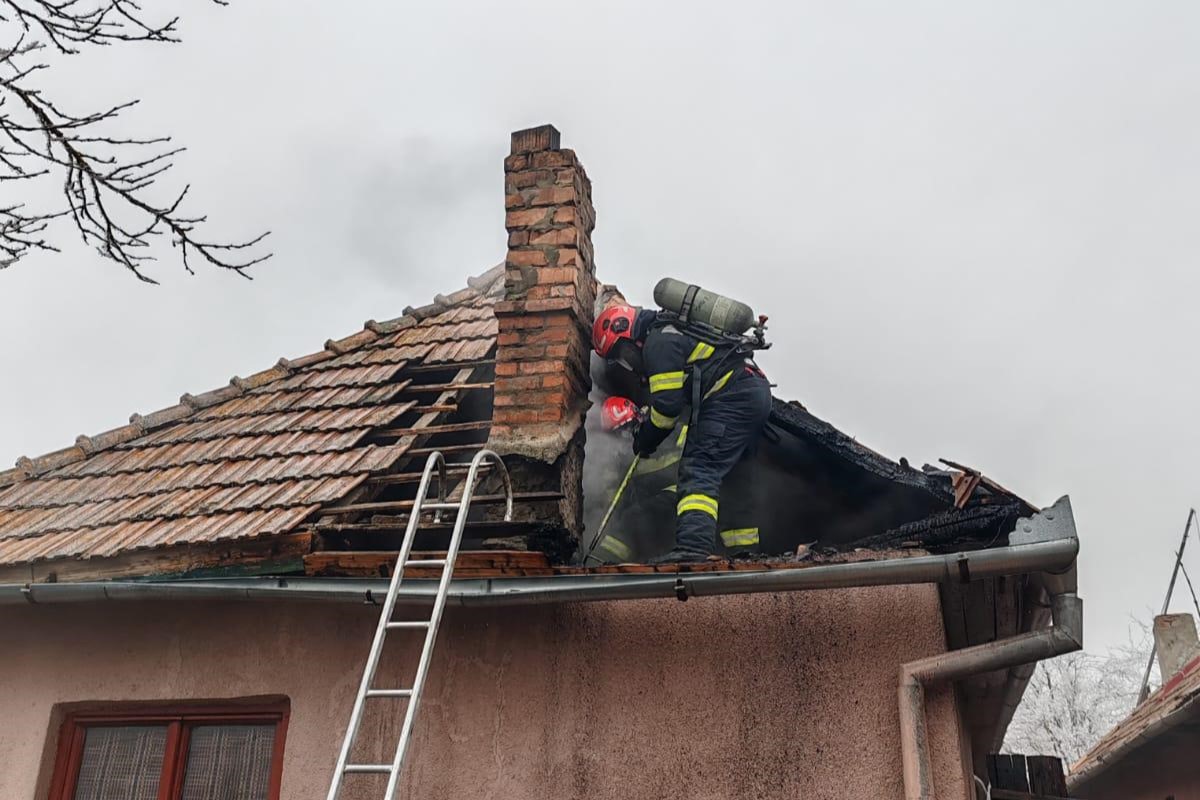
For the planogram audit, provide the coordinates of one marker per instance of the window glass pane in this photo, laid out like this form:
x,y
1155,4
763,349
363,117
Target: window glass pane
x,y
228,762
121,763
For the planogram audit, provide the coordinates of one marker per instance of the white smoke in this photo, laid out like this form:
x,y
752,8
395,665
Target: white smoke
x,y
607,457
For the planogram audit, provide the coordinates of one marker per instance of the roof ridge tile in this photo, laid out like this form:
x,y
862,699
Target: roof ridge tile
x,y
391,325
351,342
14,475
484,281
110,438
52,460
196,402
425,311
164,416
253,381
311,358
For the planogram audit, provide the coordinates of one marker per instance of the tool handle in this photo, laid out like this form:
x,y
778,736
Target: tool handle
x,y
611,507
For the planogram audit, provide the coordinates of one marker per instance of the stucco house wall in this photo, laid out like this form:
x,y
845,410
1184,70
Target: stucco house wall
x,y
757,696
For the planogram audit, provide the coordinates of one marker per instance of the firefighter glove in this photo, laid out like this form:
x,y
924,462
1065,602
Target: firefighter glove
x,y
645,442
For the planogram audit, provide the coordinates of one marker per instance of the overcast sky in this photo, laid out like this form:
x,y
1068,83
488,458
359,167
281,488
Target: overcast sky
x,y
973,225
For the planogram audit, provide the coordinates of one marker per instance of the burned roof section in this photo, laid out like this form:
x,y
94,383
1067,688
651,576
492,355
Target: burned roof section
x,y
834,494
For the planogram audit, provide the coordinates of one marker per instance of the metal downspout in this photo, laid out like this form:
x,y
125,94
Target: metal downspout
x,y
1065,636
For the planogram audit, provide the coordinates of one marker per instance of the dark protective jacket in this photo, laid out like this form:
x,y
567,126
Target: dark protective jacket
x,y
673,360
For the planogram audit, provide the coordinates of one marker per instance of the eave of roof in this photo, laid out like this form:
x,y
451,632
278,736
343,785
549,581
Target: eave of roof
x,y
1048,547
1175,703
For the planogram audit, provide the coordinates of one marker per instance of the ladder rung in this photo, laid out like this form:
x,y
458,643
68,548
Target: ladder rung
x,y
438,506
406,624
385,768
389,692
425,562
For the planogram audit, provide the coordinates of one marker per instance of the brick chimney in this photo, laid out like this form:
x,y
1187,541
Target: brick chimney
x,y
545,319
1175,642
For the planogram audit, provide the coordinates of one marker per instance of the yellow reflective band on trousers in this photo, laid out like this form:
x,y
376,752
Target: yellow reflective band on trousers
x,y
719,385
701,351
665,381
682,439
661,421
616,547
740,537
697,502
649,465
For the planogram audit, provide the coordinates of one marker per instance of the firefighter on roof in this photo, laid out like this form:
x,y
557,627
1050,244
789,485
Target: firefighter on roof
x,y
729,400
641,524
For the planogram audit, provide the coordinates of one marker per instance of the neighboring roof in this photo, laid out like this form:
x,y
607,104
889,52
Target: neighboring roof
x,y
254,458
1167,708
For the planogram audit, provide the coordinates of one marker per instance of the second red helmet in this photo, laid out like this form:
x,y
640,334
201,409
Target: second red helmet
x,y
614,324
617,412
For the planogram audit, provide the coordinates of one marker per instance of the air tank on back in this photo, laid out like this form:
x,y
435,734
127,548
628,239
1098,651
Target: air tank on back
x,y
710,308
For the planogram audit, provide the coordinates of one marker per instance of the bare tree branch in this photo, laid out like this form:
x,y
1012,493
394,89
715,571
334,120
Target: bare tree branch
x,y
107,181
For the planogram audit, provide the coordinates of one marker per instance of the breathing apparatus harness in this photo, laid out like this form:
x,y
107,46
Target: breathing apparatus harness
x,y
731,345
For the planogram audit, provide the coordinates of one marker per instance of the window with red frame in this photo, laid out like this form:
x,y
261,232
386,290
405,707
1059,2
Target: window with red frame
x,y
187,753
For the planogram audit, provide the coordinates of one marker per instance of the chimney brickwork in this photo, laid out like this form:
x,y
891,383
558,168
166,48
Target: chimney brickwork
x,y
544,321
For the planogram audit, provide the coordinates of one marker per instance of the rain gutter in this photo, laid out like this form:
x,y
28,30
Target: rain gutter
x,y
1038,546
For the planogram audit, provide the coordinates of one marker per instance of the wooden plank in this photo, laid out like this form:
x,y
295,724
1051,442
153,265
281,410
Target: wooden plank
x,y
273,554
476,528
430,430
487,362
448,387
993,771
1006,606
415,477
483,499
470,563
435,408
979,602
1046,776
1008,772
451,448
954,614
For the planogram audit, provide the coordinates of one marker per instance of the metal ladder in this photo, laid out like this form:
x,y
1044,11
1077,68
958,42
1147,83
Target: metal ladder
x,y
386,623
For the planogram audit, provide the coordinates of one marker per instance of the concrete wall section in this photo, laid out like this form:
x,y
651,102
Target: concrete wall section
x,y
766,696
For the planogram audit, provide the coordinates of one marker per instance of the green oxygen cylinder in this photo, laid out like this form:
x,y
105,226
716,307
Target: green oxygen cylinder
x,y
707,307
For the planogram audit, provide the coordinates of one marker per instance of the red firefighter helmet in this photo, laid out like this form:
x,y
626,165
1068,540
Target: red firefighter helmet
x,y
614,324
618,412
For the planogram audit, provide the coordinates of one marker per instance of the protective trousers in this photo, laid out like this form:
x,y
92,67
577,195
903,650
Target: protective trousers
x,y
730,421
